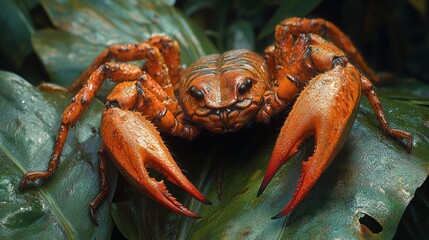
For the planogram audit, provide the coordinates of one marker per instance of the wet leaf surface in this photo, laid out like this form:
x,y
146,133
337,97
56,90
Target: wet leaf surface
x,y
59,208
87,28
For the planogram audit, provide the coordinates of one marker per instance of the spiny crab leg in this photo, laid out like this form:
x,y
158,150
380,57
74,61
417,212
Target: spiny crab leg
x,y
135,145
325,109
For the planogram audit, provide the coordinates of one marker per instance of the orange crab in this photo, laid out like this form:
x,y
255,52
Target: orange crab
x,y
222,93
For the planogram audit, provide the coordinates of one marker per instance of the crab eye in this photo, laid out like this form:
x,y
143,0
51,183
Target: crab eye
x,y
197,94
245,86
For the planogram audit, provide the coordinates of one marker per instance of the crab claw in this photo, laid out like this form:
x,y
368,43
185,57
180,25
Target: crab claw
x,y
135,145
326,109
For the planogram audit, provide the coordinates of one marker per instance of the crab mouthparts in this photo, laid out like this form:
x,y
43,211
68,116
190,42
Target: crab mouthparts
x,y
226,118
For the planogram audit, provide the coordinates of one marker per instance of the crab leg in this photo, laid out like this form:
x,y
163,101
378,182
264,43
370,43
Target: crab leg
x,y
161,53
368,90
73,112
104,186
322,27
325,109
135,145
171,52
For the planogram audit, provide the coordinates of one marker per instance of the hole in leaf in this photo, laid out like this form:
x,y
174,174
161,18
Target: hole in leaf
x,y
373,225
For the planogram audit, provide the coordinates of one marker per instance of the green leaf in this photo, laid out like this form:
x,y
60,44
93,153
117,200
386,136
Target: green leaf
x,y
91,26
16,29
406,89
241,36
193,6
59,208
64,55
291,8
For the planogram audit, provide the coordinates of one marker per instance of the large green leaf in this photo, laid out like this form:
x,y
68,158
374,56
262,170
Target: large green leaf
x,y
59,208
16,29
91,26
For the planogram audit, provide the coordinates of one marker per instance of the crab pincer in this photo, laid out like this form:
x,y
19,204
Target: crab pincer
x,y
136,145
325,109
